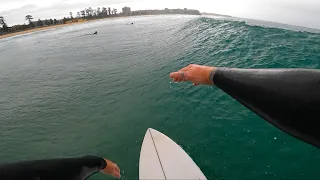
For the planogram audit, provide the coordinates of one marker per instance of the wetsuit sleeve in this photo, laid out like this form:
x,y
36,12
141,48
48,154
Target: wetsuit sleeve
x,y
287,98
53,169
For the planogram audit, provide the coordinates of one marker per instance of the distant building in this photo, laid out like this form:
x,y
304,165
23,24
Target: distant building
x,y
126,11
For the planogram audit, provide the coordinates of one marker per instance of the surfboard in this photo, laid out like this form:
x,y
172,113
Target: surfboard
x,y
162,158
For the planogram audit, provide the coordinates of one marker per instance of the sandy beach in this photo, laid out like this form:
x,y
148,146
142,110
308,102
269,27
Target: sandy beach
x,y
32,30
50,27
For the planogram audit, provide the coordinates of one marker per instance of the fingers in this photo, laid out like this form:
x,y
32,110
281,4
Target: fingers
x,y
185,69
179,76
176,79
117,169
117,175
116,172
112,169
174,75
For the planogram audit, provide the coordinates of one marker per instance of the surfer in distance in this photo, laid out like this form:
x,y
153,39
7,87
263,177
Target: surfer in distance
x,y
95,33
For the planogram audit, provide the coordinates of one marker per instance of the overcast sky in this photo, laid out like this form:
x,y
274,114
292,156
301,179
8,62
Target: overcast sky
x,y
296,12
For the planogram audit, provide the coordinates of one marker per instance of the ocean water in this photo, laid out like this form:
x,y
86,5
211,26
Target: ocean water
x,y
66,94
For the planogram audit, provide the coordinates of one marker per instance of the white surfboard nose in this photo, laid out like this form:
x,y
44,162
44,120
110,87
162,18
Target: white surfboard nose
x,y
162,158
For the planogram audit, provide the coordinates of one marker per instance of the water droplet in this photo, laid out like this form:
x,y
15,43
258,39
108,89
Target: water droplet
x,y
275,138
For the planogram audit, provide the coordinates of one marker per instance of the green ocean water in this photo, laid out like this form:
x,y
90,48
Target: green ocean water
x,y
67,94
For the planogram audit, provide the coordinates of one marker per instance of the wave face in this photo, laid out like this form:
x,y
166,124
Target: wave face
x,y
67,94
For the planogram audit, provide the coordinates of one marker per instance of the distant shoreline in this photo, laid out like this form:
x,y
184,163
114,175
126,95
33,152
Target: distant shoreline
x,y
86,15
52,27
90,20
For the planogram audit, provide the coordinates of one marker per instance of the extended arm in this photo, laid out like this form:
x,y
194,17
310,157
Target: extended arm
x,y
62,169
287,98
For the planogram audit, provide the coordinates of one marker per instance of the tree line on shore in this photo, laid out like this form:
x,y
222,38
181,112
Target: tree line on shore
x,y
86,14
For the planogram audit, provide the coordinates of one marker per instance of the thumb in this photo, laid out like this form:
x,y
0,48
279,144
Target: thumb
x,y
174,74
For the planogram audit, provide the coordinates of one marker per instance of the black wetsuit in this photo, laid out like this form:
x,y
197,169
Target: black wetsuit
x,y
287,98
53,169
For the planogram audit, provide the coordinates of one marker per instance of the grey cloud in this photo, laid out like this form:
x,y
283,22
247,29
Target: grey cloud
x,y
301,13
298,6
17,15
29,7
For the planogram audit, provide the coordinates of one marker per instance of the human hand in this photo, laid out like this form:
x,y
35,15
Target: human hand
x,y
111,169
194,73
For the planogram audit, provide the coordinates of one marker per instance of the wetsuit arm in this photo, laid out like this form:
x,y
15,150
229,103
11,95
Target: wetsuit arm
x,y
53,169
287,98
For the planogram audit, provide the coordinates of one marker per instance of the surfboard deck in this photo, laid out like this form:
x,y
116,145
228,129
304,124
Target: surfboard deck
x,y
162,158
